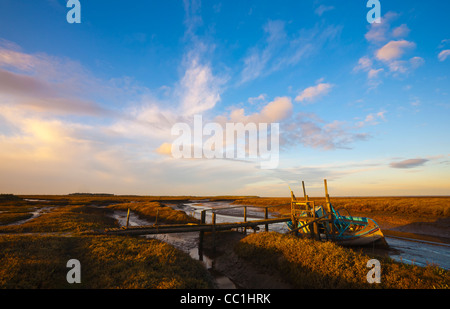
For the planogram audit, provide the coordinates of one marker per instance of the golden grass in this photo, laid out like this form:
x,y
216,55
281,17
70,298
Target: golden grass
x,y
39,262
151,210
307,263
81,215
73,219
8,218
411,206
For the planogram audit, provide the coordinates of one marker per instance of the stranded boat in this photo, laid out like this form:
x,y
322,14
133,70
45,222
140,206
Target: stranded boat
x,y
326,223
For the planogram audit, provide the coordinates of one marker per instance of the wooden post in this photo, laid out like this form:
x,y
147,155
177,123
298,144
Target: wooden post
x,y
293,218
214,230
328,203
202,233
266,216
245,219
128,217
304,191
313,228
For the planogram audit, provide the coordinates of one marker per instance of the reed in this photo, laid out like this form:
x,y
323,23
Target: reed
x,y
306,263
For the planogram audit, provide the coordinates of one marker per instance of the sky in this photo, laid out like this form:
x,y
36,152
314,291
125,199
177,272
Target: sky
x,y
90,106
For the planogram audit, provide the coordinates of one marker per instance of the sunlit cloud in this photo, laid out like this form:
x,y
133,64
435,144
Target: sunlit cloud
x,y
394,50
390,47
275,111
380,32
314,92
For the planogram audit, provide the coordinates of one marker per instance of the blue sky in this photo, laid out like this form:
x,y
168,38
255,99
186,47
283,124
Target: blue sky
x,y
89,107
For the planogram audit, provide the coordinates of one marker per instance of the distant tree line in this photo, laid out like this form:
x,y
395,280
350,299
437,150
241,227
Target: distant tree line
x,y
9,197
92,194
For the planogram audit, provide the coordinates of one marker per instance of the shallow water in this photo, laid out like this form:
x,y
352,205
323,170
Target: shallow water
x,y
36,213
187,242
420,253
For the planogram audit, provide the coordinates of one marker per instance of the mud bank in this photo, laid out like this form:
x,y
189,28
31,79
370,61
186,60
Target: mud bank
x,y
244,274
420,228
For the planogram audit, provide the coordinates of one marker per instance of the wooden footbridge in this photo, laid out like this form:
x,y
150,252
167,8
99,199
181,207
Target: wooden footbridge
x,y
202,227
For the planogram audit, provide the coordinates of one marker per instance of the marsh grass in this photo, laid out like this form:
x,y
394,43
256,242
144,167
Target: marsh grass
x,y
151,210
81,214
8,218
39,262
14,209
436,207
306,263
73,219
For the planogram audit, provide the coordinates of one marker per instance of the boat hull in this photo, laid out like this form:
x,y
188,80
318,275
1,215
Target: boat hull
x,y
368,234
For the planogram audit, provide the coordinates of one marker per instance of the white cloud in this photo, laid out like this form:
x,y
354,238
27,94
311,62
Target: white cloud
x,y
380,32
372,119
275,111
444,54
394,50
200,89
313,92
366,64
390,47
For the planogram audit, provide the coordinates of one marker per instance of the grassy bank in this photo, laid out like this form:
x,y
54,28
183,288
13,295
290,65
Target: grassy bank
x,y
153,210
39,262
418,206
310,264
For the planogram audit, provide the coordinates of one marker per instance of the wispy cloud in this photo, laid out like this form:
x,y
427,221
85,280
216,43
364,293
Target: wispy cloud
x,y
444,54
323,8
312,93
48,83
200,89
409,163
310,130
279,50
372,119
